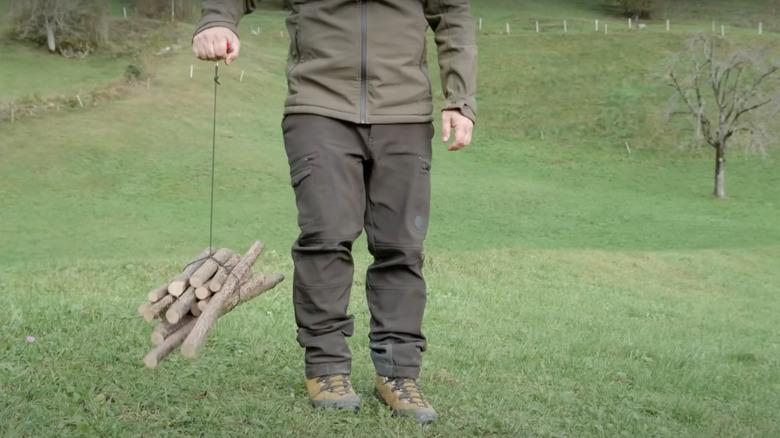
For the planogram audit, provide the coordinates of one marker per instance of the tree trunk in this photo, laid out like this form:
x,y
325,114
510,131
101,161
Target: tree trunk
x,y
50,41
720,173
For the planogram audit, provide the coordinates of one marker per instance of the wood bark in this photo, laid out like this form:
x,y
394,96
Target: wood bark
x,y
203,304
209,267
165,329
720,173
195,309
180,282
181,306
251,289
203,292
169,344
154,310
206,321
158,294
222,273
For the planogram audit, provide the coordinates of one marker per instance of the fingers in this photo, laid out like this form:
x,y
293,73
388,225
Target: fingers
x,y
212,45
446,125
235,46
463,129
462,138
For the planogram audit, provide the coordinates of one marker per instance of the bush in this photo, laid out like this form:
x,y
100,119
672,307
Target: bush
x,y
70,27
635,8
184,10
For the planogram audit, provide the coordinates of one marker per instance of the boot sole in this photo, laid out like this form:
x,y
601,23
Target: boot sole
x,y
424,418
350,404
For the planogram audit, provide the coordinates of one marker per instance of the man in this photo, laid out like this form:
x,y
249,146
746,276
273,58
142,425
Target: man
x,y
357,132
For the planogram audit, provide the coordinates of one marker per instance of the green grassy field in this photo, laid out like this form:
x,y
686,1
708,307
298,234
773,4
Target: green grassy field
x,y
575,289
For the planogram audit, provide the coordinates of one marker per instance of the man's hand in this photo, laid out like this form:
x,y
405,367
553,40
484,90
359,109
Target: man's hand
x,y
463,126
212,44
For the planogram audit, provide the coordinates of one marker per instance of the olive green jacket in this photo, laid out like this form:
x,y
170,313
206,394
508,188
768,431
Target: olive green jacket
x,y
365,61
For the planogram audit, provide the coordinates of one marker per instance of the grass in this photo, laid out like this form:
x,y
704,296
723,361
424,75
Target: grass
x,y
575,290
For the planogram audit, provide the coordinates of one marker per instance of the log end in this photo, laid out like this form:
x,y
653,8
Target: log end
x,y
150,361
189,350
202,293
143,309
157,338
177,287
172,316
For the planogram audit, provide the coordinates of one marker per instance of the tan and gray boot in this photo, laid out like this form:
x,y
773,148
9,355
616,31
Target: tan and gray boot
x,y
405,399
332,392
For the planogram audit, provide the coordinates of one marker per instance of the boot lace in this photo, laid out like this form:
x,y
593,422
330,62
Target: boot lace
x,y
338,384
409,392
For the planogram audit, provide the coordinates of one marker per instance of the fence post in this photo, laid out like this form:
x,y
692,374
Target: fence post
x,y
667,25
629,24
565,30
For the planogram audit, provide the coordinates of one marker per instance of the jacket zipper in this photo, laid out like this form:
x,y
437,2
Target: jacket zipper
x,y
363,60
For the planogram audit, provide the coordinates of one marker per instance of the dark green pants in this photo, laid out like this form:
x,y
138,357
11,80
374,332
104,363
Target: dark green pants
x,y
349,178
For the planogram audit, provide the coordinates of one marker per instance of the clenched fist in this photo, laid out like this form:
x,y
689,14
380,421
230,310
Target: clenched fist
x,y
212,44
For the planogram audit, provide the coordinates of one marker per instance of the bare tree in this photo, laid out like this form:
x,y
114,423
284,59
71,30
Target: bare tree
x,y
725,90
71,27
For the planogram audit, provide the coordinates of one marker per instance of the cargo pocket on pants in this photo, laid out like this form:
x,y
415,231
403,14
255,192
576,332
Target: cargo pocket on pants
x,y
306,198
422,195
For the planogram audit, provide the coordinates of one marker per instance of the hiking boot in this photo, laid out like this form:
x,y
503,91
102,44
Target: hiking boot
x,y
405,398
332,392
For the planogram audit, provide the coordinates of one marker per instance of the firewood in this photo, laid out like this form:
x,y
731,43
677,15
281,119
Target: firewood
x,y
219,278
214,310
144,308
180,282
165,329
202,304
203,292
194,309
251,289
154,310
209,267
158,294
181,306
169,344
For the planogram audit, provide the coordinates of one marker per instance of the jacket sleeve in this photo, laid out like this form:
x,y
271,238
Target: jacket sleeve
x,y
224,13
453,27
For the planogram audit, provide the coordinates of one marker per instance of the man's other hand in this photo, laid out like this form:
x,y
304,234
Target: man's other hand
x,y
454,119
212,44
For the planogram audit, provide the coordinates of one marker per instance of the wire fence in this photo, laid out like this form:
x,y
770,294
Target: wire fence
x,y
580,26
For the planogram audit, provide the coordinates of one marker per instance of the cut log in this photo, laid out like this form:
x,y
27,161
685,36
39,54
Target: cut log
x,y
165,329
203,292
158,294
214,310
169,344
182,281
181,306
194,309
222,273
144,308
207,270
157,308
252,289
202,304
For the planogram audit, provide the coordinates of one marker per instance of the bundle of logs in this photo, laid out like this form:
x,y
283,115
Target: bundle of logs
x,y
211,285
